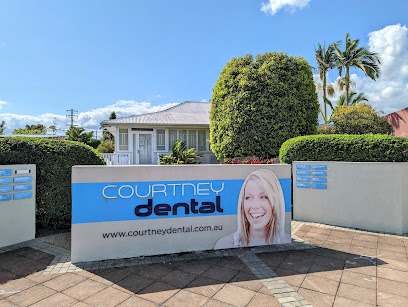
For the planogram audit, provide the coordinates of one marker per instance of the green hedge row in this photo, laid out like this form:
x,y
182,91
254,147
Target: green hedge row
x,y
343,147
54,160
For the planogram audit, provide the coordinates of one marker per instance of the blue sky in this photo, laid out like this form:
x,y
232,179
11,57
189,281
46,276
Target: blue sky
x,y
142,56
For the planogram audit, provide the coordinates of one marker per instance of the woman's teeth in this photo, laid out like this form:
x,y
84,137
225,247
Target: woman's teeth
x,y
257,215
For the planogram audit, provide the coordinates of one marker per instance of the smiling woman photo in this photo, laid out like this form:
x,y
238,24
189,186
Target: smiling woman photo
x,y
260,213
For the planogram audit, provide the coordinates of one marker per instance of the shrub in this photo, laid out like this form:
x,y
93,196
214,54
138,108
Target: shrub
x,y
342,147
179,155
106,146
54,159
257,104
260,160
359,119
326,130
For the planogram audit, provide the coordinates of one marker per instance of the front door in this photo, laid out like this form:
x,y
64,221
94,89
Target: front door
x,y
142,148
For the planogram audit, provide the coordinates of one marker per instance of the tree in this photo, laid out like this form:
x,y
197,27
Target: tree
x,y
53,129
179,155
257,104
78,134
106,146
357,57
326,59
112,115
31,129
107,136
359,119
2,127
352,100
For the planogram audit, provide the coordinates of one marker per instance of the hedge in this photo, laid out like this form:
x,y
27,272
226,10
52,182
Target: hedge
x,y
54,160
345,147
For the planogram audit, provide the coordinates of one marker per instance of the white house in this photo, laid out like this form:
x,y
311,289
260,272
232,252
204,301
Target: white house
x,y
140,139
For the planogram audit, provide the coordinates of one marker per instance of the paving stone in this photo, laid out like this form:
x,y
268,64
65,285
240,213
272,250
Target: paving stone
x,y
297,266
392,247
382,253
246,281
186,298
320,284
344,302
154,271
31,295
64,281
178,278
392,287
18,284
220,273
158,292
391,240
133,283
396,275
137,301
234,295
324,272
291,277
394,264
107,297
317,299
205,286
84,289
58,299
391,300
360,280
357,293
197,267
216,303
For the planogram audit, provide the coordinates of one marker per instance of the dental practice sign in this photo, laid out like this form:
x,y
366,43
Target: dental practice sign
x,y
129,211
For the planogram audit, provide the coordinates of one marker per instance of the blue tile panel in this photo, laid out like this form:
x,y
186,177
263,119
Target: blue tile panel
x,y
319,179
302,166
303,173
6,180
5,172
302,185
22,195
319,186
5,188
5,197
23,187
319,173
23,179
319,166
304,179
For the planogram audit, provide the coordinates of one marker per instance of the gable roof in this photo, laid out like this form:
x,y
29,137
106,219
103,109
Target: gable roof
x,y
186,113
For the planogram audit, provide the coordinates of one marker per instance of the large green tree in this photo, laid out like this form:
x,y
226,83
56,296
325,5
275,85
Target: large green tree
x,y
31,129
326,59
357,57
258,103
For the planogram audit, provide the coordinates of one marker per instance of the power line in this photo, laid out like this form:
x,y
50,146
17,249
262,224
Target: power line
x,y
72,116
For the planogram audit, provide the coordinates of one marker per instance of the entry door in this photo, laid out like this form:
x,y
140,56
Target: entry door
x,y
144,148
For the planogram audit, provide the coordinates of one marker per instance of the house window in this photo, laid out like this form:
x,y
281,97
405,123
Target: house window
x,y
172,138
192,139
123,139
183,136
202,146
161,139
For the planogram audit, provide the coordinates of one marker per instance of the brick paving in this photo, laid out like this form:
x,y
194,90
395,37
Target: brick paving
x,y
325,266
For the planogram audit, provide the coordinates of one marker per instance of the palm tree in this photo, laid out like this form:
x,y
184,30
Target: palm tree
x,y
326,59
352,100
358,57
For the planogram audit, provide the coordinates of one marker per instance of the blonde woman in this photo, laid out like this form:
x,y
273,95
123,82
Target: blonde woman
x,y
261,212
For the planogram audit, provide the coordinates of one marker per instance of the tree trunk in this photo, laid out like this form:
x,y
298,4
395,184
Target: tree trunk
x,y
347,79
324,96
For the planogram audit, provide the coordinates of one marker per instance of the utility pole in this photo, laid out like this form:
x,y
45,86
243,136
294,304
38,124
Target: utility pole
x,y
72,115
96,134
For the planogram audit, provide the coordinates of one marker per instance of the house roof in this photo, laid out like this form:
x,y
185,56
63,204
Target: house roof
x,y
186,113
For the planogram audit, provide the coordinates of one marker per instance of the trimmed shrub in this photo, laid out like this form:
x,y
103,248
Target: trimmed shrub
x,y
344,147
54,160
359,119
258,103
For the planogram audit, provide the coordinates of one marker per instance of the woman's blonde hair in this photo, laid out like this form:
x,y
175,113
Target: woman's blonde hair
x,y
274,192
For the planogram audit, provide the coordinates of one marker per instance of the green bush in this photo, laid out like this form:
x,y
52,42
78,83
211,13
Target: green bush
x,y
326,130
343,147
359,119
179,154
106,146
54,160
257,104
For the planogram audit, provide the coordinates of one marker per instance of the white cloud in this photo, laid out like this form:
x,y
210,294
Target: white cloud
x,y
273,6
89,119
2,103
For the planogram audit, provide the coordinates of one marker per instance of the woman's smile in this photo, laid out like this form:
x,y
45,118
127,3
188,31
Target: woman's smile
x,y
257,207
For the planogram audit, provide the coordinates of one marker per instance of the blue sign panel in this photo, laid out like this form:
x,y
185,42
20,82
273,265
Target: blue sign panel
x,y
23,187
6,180
5,172
303,173
302,185
152,200
302,166
319,179
319,186
5,197
319,166
5,188
23,179
22,195
305,179
319,173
